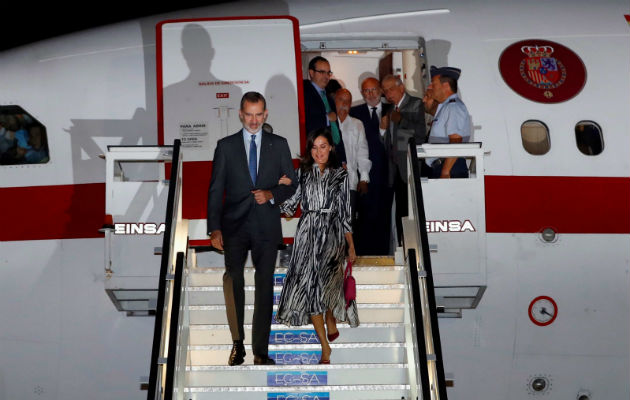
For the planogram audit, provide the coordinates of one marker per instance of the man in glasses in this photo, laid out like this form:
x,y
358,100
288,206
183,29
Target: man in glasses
x,y
319,108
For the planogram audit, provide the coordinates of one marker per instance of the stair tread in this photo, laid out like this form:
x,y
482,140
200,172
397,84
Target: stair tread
x,y
314,346
192,389
364,286
283,367
280,270
342,325
251,306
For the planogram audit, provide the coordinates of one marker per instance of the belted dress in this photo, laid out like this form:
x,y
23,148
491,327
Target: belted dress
x,y
314,280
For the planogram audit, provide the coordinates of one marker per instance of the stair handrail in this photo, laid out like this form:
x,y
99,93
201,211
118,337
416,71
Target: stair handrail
x,y
422,287
174,251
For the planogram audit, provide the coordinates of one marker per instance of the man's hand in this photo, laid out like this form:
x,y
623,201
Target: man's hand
x,y
262,196
216,238
445,174
384,122
362,187
396,116
332,116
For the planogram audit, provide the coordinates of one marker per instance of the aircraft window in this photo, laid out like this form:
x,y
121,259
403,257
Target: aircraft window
x,y
22,138
535,136
589,138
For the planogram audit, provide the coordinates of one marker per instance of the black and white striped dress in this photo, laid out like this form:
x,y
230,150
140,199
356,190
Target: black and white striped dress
x,y
314,281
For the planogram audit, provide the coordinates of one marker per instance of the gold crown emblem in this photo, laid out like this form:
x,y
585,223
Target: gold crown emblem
x,y
537,51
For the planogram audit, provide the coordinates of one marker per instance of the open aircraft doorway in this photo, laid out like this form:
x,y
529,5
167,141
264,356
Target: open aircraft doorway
x,y
355,57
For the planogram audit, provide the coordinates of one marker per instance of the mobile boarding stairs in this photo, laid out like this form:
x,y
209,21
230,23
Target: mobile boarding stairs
x,y
394,354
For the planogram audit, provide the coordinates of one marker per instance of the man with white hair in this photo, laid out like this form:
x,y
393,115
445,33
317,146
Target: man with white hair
x,y
404,121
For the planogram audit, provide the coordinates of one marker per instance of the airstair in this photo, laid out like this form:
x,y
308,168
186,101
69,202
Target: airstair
x,y
394,354
368,362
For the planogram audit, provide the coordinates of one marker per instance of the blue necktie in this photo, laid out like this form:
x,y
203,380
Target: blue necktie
x,y
253,160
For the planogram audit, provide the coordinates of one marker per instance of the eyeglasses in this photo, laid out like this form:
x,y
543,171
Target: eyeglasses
x,y
372,90
321,71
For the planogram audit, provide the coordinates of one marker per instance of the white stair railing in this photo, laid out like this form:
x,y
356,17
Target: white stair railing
x,y
426,368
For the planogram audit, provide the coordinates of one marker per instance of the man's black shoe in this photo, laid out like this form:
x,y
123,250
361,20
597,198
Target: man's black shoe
x,y
264,361
237,355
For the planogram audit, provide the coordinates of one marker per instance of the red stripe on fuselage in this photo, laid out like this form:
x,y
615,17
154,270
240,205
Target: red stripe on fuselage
x,y
196,178
52,212
514,204
528,204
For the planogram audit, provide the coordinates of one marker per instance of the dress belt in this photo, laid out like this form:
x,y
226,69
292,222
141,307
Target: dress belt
x,y
320,211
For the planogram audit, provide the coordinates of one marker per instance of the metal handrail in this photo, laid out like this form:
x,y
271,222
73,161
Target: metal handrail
x,y
423,290
416,320
174,328
160,332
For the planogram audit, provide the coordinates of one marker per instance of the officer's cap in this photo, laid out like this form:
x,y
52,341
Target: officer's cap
x,y
450,72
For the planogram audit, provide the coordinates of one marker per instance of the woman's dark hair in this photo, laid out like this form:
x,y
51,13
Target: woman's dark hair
x,y
307,161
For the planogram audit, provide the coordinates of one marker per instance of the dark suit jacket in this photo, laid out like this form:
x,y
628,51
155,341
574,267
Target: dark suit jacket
x,y
378,154
314,109
397,136
316,117
230,176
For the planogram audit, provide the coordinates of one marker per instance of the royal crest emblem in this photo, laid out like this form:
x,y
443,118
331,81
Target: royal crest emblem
x,y
542,71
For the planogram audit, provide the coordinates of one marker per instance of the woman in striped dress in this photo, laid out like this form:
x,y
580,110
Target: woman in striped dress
x,y
314,283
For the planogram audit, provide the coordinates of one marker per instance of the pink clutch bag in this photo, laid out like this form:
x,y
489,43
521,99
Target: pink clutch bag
x,y
349,285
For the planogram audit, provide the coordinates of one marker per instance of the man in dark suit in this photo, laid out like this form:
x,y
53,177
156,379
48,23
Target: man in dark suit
x,y
249,219
319,107
404,120
373,234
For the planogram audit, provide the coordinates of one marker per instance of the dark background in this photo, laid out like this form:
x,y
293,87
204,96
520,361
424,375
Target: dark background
x,y
25,22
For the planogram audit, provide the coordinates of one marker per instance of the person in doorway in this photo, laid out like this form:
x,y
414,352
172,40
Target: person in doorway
x,y
405,120
373,233
451,123
319,107
357,154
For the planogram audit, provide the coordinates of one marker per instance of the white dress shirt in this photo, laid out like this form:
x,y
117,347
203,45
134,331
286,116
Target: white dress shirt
x,y
357,152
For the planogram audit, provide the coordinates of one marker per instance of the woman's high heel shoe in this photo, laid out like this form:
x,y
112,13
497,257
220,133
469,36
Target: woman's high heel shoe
x,y
332,336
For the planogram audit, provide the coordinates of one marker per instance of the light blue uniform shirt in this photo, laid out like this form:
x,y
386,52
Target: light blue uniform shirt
x,y
451,117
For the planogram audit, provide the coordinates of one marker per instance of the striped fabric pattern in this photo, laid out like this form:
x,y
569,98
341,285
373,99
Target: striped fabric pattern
x,y
314,281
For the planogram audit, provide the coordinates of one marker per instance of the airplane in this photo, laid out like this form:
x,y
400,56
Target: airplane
x,y
537,252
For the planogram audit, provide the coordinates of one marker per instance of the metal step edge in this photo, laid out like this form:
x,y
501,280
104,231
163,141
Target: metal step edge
x,y
280,270
309,367
275,307
277,288
210,389
341,325
314,346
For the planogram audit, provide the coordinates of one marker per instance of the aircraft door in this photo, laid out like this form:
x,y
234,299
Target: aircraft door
x,y
204,68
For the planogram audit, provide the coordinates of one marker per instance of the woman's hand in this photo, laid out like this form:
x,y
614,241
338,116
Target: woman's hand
x,y
352,255
284,180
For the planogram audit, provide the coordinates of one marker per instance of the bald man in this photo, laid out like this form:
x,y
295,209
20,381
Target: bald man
x,y
373,233
357,154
